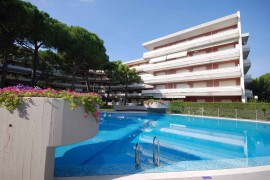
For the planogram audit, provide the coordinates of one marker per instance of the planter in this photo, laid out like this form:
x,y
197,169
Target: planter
x,y
29,134
157,107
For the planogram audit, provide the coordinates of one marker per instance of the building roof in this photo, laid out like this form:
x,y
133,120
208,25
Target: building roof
x,y
193,31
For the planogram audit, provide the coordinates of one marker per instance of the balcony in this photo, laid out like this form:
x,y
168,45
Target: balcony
x,y
248,93
195,76
248,78
199,42
220,56
123,94
247,65
246,50
207,91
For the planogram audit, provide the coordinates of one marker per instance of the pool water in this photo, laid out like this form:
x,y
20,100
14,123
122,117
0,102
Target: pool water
x,y
186,143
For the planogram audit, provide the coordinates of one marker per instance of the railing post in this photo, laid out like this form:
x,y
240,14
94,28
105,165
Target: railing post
x,y
256,114
218,111
236,114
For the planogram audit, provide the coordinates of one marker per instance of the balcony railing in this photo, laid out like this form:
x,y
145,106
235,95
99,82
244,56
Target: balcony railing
x,y
203,41
248,93
246,50
247,65
248,78
195,76
206,91
220,56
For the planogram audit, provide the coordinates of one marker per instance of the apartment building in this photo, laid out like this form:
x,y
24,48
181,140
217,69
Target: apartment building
x,y
98,82
205,63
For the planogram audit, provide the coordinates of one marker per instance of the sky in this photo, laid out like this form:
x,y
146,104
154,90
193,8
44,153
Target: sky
x,y
125,24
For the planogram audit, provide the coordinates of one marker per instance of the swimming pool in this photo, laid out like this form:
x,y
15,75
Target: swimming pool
x,y
186,143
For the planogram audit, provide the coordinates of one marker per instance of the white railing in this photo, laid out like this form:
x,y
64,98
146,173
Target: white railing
x,y
223,36
206,91
128,94
220,56
194,76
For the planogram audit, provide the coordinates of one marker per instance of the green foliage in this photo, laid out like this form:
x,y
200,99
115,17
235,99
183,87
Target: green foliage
x,y
82,51
11,97
176,106
124,75
241,110
13,25
23,25
261,87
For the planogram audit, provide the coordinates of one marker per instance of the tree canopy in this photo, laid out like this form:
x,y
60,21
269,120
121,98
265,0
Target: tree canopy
x,y
125,75
24,27
261,87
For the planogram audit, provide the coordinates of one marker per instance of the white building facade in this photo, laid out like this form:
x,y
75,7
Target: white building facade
x,y
205,63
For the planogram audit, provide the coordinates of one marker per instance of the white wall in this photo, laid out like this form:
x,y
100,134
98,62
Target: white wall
x,y
28,136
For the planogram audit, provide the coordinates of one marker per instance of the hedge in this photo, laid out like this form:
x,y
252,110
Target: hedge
x,y
231,110
236,105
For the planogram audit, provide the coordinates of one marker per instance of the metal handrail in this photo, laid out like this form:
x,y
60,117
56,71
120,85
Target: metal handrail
x,y
137,155
156,160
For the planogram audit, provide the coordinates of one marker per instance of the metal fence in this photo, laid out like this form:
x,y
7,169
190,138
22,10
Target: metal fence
x,y
221,112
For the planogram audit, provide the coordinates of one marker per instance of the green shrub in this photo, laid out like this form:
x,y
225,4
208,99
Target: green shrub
x,y
231,110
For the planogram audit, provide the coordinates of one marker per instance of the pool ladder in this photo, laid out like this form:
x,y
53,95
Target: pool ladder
x,y
137,155
156,159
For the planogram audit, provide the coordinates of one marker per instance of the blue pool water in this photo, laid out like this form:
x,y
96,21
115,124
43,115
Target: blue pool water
x,y
186,143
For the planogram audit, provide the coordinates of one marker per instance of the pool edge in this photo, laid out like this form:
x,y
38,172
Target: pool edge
x,y
260,172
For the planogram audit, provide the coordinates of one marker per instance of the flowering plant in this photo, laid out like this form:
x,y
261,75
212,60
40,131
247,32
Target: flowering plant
x,y
151,101
11,97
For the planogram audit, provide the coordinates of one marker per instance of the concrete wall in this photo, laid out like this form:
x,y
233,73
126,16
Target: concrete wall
x,y
29,134
129,108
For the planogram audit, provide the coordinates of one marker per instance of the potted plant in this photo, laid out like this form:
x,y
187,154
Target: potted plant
x,y
156,105
33,121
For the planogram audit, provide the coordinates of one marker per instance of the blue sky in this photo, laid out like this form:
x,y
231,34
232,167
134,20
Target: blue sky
x,y
125,24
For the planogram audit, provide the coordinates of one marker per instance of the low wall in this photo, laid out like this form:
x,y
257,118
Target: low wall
x,y
129,108
29,134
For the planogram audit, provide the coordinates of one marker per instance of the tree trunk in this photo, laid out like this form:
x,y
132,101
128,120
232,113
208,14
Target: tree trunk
x,y
73,75
34,66
87,82
4,70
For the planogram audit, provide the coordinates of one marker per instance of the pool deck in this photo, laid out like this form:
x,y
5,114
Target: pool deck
x,y
250,173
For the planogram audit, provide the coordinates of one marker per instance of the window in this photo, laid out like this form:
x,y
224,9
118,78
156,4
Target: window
x,y
160,73
160,86
181,71
226,65
182,86
227,83
200,68
199,84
